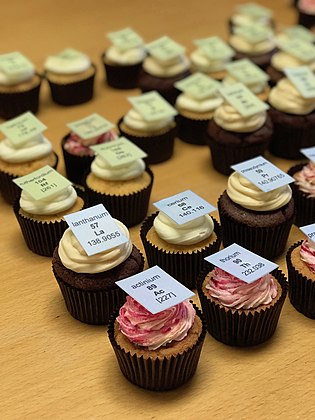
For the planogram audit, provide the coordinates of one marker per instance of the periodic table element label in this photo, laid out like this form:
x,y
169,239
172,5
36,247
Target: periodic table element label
x,y
22,128
299,32
303,79
253,33
184,207
302,50
255,10
309,152
15,63
198,86
152,106
155,289
215,48
241,263
246,72
165,48
309,231
242,99
125,39
70,54
91,126
263,174
95,229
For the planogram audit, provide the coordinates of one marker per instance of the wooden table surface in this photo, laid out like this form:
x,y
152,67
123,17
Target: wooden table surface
x,y
53,366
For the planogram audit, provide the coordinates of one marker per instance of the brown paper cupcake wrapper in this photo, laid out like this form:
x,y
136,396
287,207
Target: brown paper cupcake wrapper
x,y
75,93
15,103
184,267
306,19
301,289
267,242
305,206
121,77
158,374
241,327
192,131
42,237
130,209
9,189
158,148
76,166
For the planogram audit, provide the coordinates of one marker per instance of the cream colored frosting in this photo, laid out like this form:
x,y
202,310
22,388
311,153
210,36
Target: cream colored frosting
x,y
202,62
285,97
35,148
130,170
127,56
184,101
242,19
166,68
245,193
227,117
52,204
256,87
281,60
251,48
10,79
135,120
73,256
60,65
188,233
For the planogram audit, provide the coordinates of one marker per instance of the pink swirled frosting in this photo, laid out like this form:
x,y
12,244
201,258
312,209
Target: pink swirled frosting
x,y
235,293
307,254
305,179
153,331
81,147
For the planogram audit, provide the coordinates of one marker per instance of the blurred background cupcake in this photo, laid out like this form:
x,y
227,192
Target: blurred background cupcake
x,y
306,13
251,14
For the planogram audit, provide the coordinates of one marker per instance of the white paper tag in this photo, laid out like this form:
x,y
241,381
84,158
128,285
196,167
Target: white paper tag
x,y
263,174
309,231
241,263
95,229
92,126
184,207
155,289
309,152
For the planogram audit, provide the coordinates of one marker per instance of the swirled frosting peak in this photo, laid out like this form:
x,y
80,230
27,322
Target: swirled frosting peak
x,y
52,204
153,331
305,179
62,64
307,254
34,148
186,234
127,56
81,147
208,104
130,170
135,121
166,68
246,194
202,62
73,256
235,293
285,97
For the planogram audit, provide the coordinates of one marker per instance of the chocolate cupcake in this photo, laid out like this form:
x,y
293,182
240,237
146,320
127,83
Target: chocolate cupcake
x,y
171,359
301,276
87,283
306,13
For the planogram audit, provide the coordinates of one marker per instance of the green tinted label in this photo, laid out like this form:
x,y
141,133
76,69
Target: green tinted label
x,y
302,50
165,48
243,100
198,86
253,34
22,128
92,126
215,48
125,39
70,54
246,72
15,63
303,79
300,32
152,106
254,10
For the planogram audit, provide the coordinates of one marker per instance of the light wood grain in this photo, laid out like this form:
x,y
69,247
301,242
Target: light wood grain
x,y
54,367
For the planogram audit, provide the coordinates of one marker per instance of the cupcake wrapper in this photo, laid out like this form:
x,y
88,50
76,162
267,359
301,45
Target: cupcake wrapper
x,y
241,327
158,374
122,77
75,93
305,19
76,166
305,206
184,267
9,189
16,103
158,148
130,209
301,289
268,242
192,131
42,237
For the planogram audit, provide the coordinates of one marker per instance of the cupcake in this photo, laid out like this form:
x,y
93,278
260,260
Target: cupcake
x,y
211,57
70,75
239,313
289,33
195,106
180,249
158,352
306,13
246,72
293,116
123,59
19,85
303,189
87,283
150,127
41,220
234,134
76,145
18,158
254,42
257,220
251,14
123,189
301,277
165,64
